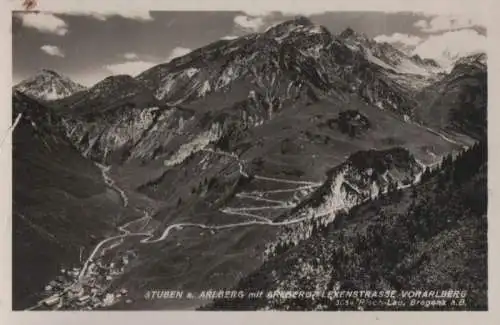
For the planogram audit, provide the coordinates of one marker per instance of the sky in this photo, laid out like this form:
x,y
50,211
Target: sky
x,y
89,46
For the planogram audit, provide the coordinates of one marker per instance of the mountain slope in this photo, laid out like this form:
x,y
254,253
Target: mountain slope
x,y
243,148
60,201
236,84
431,237
48,85
458,102
387,56
114,92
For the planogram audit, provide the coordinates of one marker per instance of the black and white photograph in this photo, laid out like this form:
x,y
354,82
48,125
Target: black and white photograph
x,y
249,161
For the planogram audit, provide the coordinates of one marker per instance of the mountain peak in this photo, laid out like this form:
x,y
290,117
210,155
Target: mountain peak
x,y
299,25
473,59
351,35
113,82
294,22
348,32
302,20
118,78
49,72
117,86
48,85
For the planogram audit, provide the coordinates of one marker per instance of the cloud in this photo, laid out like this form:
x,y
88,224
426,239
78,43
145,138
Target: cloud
x,y
307,10
44,22
229,37
52,50
447,47
130,56
136,66
405,39
256,7
136,15
441,23
258,12
249,23
90,77
132,68
421,24
177,52
140,15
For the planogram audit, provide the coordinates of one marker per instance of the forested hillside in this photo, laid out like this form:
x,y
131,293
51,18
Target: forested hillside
x,y
429,237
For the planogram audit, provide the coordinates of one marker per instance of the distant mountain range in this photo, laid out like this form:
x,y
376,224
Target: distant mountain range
x,y
281,131
289,54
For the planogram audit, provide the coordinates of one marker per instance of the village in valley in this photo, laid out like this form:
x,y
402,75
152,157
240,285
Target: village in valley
x,y
89,291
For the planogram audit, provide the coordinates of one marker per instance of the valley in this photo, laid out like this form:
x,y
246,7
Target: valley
x,y
208,171
86,275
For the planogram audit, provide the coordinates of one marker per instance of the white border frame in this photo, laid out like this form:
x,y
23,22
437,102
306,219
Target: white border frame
x,y
484,8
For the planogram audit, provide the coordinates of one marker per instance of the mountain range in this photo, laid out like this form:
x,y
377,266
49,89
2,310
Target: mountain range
x,y
232,153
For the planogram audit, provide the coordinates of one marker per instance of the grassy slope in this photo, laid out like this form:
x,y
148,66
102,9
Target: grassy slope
x,y
302,139
299,141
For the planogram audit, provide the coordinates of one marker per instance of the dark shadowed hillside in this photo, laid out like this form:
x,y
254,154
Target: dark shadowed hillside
x,y
60,201
457,102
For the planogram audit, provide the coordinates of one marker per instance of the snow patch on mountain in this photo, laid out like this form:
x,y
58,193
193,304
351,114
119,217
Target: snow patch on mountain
x,y
48,85
370,57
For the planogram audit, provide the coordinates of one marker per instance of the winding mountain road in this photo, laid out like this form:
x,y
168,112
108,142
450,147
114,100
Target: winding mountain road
x,y
259,196
258,220
441,135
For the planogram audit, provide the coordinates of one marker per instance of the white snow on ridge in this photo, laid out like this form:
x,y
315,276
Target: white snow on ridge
x,y
49,93
48,86
370,57
404,67
315,29
292,29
